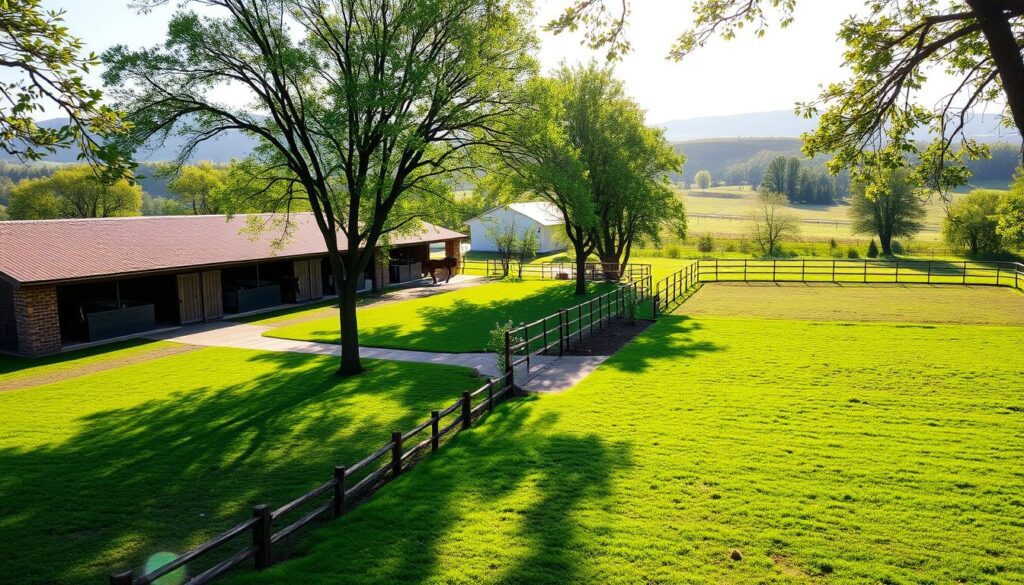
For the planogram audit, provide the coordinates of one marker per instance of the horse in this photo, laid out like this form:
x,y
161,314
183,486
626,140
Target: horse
x,y
430,266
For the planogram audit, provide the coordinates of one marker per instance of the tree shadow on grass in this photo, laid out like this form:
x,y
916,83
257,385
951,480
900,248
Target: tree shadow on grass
x,y
503,503
673,337
168,473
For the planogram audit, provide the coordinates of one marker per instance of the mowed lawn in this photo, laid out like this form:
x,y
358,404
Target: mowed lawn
x,y
820,452
102,470
459,321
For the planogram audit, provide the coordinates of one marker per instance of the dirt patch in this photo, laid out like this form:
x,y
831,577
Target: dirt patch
x,y
616,334
92,368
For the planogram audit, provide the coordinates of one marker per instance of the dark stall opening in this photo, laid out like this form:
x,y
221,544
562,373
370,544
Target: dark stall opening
x,y
95,311
254,286
405,264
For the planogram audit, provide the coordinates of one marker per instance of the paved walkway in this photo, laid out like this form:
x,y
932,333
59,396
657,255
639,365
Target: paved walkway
x,y
547,374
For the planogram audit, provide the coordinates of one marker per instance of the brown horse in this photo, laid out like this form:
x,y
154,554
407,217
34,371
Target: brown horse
x,y
449,262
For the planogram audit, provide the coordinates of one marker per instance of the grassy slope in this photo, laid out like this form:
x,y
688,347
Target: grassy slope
x,y
101,470
707,435
458,321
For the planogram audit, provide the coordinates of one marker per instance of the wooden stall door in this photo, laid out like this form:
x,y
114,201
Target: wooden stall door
x,y
316,280
213,299
301,272
190,298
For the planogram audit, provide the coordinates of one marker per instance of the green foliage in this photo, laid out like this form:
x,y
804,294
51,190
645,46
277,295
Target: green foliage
x,y
672,251
972,223
872,249
706,244
772,223
852,253
702,180
1010,223
74,192
43,66
496,342
888,206
201,188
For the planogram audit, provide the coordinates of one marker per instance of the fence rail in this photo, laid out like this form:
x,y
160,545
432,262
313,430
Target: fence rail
x,y
592,271
333,498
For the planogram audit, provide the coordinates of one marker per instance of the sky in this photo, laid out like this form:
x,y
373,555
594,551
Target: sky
x,y
743,75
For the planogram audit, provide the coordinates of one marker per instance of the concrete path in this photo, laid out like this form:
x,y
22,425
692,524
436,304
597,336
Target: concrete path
x,y
547,373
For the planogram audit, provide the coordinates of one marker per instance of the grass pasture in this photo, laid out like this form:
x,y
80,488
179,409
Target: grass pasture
x,y
458,321
102,470
820,451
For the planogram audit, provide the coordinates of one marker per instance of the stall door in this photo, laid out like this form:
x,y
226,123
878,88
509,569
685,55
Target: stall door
x,y
316,280
301,271
213,300
190,298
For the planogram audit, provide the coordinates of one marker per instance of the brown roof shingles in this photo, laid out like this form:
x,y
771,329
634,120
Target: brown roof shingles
x,y
69,249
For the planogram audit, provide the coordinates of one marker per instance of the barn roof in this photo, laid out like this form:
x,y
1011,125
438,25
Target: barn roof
x,y
39,251
541,212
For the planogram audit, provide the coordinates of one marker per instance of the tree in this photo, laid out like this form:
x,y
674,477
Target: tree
x,y
702,179
872,249
364,109
774,178
526,249
200,188
773,222
971,223
895,210
793,179
43,66
1010,222
506,241
890,52
74,192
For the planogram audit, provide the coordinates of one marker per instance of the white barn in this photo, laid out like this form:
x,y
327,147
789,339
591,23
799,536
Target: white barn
x,y
536,215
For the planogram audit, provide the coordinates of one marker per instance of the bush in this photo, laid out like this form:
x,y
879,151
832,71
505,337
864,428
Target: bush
x,y
496,342
744,246
897,248
673,252
852,253
730,247
872,249
706,244
832,244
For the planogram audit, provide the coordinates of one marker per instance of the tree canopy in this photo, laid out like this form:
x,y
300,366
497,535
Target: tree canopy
x,y
972,223
895,210
43,67
867,120
364,109
74,192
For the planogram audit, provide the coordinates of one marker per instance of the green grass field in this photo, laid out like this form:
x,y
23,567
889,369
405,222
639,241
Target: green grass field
x,y
822,452
459,321
102,470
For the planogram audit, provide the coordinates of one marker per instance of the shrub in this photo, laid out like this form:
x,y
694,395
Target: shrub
x,y
832,244
872,249
496,342
897,248
630,309
971,224
744,246
673,251
706,244
852,253
730,247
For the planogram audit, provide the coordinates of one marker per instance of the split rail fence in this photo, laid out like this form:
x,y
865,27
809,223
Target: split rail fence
x,y
592,271
669,290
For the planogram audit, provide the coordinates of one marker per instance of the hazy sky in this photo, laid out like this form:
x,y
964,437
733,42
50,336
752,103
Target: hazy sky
x,y
726,77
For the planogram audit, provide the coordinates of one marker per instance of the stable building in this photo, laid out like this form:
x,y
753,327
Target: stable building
x,y
541,217
67,282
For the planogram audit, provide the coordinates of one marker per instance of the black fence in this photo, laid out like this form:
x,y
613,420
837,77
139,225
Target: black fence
x,y
592,271
554,334
255,539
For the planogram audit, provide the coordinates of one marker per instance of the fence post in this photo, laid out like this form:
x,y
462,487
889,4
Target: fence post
x,y
803,270
490,395
435,435
965,272
123,578
561,327
865,272
396,454
261,536
833,270
929,272
744,270
579,321
897,272
773,269
467,410
508,351
544,331
339,490
999,270
716,269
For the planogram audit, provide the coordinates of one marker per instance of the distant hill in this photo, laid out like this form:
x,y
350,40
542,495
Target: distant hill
x,y
983,127
718,155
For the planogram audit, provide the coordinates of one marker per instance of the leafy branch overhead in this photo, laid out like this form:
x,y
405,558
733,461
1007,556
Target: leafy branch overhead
x,y
867,120
43,67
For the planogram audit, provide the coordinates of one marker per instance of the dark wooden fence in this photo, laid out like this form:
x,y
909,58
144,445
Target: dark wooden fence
x,y
553,334
256,538
592,271
669,290
863,271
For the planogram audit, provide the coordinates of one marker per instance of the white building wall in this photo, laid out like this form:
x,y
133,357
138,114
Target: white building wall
x,y
480,242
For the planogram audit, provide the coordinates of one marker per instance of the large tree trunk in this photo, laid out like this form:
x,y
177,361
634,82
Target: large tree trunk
x,y
581,271
886,240
1005,53
349,328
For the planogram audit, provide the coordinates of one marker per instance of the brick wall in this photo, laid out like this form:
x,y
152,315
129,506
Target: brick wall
x,y
35,312
453,248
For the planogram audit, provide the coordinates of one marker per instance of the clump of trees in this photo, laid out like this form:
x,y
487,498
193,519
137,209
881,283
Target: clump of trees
x,y
773,223
1010,222
972,223
582,145
888,207
513,245
74,192
800,184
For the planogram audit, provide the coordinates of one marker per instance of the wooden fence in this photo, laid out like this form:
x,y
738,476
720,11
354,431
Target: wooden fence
x,y
256,538
553,334
669,290
593,271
